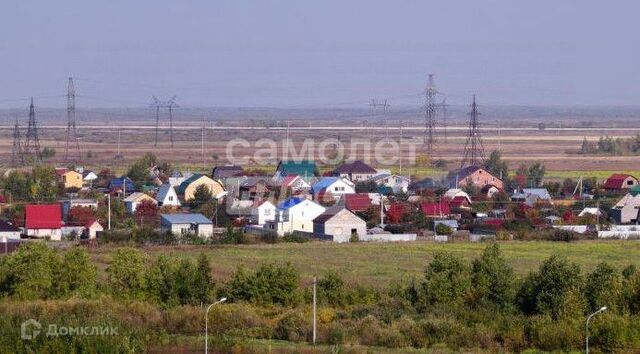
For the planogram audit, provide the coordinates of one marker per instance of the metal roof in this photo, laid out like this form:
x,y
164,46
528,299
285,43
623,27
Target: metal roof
x,y
185,219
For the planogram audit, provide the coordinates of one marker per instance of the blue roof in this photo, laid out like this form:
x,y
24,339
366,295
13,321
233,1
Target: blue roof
x,y
163,191
323,183
291,202
185,219
118,182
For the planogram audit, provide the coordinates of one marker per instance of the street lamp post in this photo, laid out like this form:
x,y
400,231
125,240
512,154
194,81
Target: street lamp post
x,y
586,344
206,324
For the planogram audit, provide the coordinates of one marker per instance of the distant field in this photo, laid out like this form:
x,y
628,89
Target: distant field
x,y
378,264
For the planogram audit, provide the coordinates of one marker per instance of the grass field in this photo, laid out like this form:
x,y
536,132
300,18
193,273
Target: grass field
x,y
379,264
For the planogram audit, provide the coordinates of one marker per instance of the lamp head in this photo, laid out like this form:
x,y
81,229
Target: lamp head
x,y
225,299
603,308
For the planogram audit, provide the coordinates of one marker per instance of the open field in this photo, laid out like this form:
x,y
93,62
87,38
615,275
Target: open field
x,y
379,264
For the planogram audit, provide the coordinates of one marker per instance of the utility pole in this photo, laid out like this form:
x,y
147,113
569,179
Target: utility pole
x,y
109,208
32,146
72,134
473,148
400,152
315,281
203,139
118,154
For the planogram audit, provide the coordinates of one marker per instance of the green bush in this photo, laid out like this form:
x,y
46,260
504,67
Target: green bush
x,y
268,284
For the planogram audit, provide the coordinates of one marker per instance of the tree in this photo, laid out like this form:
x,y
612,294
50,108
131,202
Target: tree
x,y
80,215
201,196
126,272
396,213
492,279
28,274
552,290
147,209
76,274
446,280
604,287
269,284
536,174
185,275
159,281
496,166
331,289
43,186
17,186
202,284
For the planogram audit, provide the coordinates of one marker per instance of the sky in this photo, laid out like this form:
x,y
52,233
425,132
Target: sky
x,y
331,53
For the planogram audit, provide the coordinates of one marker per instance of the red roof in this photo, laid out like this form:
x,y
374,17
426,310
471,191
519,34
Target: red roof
x,y
459,202
616,181
493,222
435,209
60,171
357,201
288,180
90,223
43,216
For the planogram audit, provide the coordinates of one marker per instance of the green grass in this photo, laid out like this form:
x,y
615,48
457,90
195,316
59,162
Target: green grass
x,y
600,175
379,264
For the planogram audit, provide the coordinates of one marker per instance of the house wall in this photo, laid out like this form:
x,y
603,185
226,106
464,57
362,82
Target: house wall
x,y
170,199
204,230
53,234
11,235
296,218
213,186
481,178
72,179
357,177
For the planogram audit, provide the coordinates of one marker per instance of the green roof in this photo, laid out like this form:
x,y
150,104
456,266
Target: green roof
x,y
635,190
303,168
187,182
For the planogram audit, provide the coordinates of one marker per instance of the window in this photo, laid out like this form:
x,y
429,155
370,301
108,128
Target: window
x,y
170,198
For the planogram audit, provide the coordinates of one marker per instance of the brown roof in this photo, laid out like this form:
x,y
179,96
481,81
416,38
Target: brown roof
x,y
355,167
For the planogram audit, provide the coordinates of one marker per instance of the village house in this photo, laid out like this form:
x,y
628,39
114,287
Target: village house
x,y
627,209
532,196
181,224
122,184
356,171
69,178
8,231
340,224
435,209
43,220
188,187
88,177
167,196
397,183
92,229
294,185
357,202
132,201
332,187
257,188
223,172
263,212
489,191
452,193
295,214
306,169
473,175
619,183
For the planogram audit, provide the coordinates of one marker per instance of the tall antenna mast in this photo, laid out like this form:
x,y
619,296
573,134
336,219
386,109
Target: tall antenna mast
x,y
17,157
430,115
473,148
32,145
72,135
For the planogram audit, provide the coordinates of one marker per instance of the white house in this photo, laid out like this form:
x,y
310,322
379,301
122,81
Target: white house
x,y
332,186
295,214
88,177
132,201
9,231
627,210
263,212
180,224
339,224
167,196
456,192
295,184
397,183
92,228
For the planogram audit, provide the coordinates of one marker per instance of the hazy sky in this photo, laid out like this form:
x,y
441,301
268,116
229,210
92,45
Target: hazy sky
x,y
320,53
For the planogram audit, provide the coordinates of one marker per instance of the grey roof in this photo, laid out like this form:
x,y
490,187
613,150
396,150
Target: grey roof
x,y
451,223
542,193
185,219
163,191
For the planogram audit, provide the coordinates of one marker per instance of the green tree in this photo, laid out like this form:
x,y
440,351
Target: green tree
x,y
126,272
160,280
492,279
17,186
203,286
202,195
535,174
185,279
28,274
76,275
331,289
552,290
604,287
496,166
446,280
43,184
269,284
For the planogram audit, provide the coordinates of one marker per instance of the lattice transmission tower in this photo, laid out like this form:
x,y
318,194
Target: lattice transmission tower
x,y
17,157
32,151
72,142
473,148
430,109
